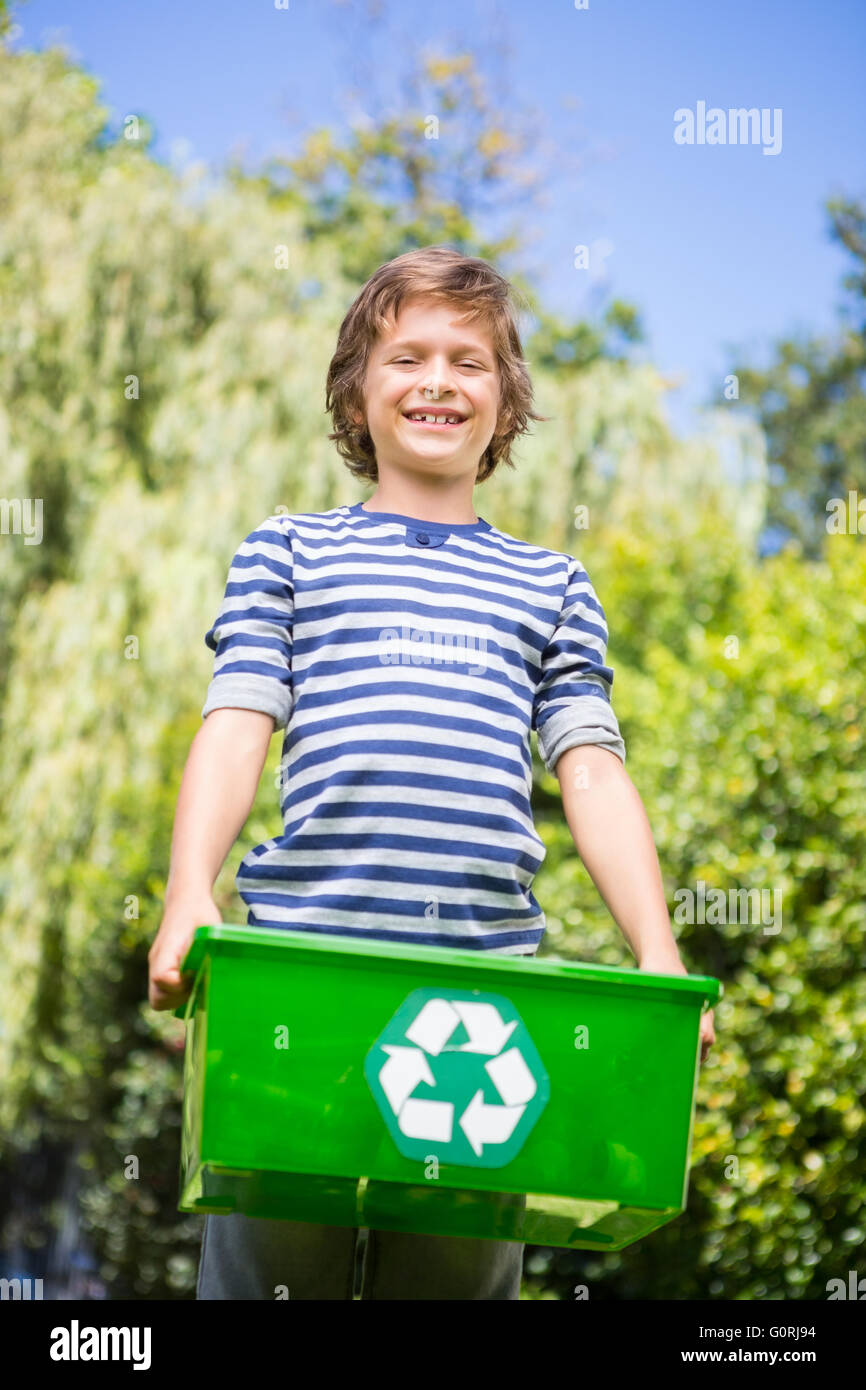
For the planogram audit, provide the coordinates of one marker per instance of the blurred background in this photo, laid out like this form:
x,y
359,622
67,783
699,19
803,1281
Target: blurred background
x,y
190,198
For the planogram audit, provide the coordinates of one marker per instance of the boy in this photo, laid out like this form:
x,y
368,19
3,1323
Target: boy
x,y
407,647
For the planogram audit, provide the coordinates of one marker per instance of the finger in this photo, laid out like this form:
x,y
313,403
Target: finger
x,y
165,974
165,995
171,982
166,1003
160,993
171,972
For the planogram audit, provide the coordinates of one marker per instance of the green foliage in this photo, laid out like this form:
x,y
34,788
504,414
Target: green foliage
x,y
6,20
571,348
162,389
811,404
746,743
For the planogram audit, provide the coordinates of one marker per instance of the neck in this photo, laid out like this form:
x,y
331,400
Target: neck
x,y
436,501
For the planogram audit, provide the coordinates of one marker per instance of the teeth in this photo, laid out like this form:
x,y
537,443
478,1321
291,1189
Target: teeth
x,y
436,419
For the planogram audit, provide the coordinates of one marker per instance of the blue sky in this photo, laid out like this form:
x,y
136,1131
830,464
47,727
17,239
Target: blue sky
x,y
716,245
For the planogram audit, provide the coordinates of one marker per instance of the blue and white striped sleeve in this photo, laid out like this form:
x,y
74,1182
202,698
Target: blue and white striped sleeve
x,y
252,634
572,700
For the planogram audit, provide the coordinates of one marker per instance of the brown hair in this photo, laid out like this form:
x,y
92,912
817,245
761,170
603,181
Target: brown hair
x,y
446,276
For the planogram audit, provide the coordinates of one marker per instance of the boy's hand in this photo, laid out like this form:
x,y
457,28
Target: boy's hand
x,y
708,1035
168,989
674,966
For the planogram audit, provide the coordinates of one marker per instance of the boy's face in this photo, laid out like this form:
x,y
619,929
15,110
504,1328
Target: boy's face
x,y
428,348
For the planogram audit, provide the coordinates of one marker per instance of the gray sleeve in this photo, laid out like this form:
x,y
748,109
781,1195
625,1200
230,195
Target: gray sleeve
x,y
252,635
588,721
572,703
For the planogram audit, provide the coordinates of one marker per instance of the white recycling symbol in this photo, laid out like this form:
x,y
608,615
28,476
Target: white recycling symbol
x,y
407,1067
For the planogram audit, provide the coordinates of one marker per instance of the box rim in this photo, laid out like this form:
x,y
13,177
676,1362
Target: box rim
x,y
266,940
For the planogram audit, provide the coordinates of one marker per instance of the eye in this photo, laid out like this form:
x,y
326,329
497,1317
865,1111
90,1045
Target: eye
x,y
398,361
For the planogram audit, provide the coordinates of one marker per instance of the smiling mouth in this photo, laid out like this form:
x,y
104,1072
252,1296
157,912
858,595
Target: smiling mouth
x,y
433,422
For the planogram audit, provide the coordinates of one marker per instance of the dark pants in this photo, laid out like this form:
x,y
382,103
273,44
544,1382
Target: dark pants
x,y
247,1257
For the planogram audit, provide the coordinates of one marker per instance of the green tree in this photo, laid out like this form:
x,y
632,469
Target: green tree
x,y
812,407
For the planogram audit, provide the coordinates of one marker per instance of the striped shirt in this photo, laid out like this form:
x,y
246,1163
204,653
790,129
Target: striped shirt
x,y
407,662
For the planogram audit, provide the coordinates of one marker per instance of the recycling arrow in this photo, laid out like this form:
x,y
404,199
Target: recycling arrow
x,y
437,1020
405,1067
419,1119
488,1124
416,1054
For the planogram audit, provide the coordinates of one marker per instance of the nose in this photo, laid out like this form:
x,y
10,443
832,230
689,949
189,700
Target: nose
x,y
438,382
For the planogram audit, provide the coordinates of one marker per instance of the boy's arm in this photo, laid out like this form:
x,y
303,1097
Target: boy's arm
x,y
612,835
217,790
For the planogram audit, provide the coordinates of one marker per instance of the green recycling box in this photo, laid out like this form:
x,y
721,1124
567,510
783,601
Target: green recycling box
x,y
356,1082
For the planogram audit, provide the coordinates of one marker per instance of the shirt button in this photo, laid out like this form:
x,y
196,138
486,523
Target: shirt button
x,y
423,538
